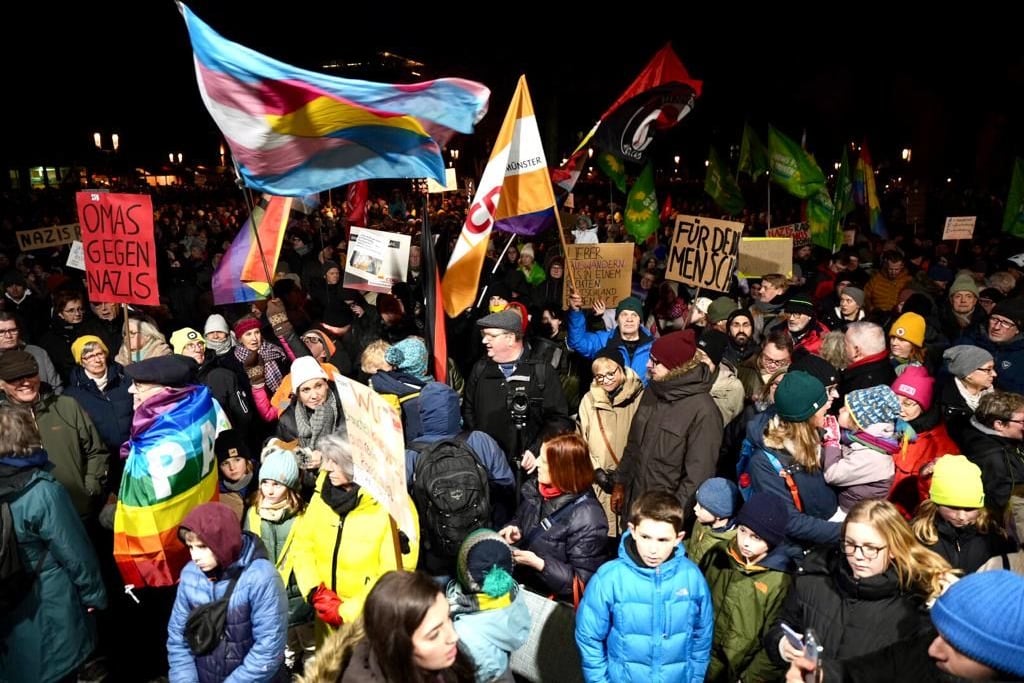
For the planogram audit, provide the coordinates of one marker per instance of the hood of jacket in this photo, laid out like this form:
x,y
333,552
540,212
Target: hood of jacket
x,y
677,385
439,411
396,382
217,526
627,553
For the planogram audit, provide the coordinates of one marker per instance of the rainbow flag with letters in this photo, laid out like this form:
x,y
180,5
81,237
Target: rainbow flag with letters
x,y
171,467
514,195
240,275
294,132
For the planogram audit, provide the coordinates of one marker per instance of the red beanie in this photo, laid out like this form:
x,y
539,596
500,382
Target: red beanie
x,y
244,325
674,349
915,383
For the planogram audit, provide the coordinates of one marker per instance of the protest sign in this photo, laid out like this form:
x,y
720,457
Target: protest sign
x,y
601,271
76,257
704,252
120,254
49,237
760,256
798,232
374,431
959,227
376,260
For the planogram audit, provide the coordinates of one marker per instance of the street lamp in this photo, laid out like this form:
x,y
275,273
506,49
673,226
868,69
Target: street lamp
x,y
676,157
97,140
115,141
905,154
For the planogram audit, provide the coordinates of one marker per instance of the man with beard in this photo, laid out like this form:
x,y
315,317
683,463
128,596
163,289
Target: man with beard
x,y
739,327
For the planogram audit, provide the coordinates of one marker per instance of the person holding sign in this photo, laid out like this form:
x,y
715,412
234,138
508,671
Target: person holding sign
x,y
631,340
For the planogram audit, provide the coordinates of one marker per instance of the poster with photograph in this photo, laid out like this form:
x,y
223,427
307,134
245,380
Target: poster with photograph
x,y
376,260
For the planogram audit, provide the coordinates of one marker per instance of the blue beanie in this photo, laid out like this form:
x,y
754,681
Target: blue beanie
x,y
873,406
767,516
279,465
982,616
720,497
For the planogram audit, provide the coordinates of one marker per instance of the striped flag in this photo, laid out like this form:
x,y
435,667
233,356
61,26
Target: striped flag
x,y
294,132
514,195
866,194
240,276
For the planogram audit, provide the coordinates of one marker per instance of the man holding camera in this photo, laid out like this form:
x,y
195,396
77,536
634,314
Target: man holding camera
x,y
510,396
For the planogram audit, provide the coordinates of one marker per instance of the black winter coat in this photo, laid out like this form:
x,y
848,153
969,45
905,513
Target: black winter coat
x,y
1001,461
574,544
231,394
851,617
965,548
110,410
866,376
955,411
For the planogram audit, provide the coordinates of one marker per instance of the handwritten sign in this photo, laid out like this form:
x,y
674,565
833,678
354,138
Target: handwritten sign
x,y
601,271
378,450
798,232
120,254
959,227
704,252
46,238
760,256
76,256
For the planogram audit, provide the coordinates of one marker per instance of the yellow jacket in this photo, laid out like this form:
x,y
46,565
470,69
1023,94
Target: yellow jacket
x,y
361,550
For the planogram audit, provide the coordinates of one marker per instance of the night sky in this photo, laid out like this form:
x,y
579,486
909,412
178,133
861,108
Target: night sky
x,y
954,93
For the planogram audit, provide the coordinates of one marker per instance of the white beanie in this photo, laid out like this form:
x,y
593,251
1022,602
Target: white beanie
x,y
304,369
216,323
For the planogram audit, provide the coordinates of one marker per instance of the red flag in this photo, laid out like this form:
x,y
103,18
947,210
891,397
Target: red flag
x,y
357,197
663,68
436,337
666,209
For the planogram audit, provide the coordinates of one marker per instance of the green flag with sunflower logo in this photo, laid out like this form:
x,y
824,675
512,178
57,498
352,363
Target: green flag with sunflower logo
x,y
642,207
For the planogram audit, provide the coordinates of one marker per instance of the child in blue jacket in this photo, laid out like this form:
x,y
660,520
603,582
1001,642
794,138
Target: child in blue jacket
x,y
647,615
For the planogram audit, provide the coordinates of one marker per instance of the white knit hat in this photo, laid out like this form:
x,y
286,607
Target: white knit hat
x,y
216,323
305,369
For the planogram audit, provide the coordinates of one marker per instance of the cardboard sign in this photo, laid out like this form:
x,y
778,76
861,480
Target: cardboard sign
x,y
378,450
798,232
704,252
959,227
601,271
120,254
376,260
760,256
76,257
451,183
46,238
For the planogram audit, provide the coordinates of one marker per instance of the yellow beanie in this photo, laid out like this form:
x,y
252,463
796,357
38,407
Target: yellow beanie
x,y
909,327
185,335
79,344
956,482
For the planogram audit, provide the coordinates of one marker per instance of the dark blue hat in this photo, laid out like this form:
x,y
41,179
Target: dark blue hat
x,y
168,371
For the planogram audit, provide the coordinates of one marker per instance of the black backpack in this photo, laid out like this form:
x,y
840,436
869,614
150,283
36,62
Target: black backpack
x,y
451,491
15,578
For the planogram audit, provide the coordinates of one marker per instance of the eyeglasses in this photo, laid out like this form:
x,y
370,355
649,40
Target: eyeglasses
x,y
991,370
1017,421
774,363
606,377
95,356
195,346
74,311
1000,322
869,552
9,332
312,339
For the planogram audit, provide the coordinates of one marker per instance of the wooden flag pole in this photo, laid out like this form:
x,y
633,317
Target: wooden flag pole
x,y
565,249
252,222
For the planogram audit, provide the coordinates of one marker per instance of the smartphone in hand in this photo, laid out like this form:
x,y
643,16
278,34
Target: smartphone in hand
x,y
795,639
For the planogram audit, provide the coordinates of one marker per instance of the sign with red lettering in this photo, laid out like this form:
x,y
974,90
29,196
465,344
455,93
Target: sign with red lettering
x,y
120,253
704,252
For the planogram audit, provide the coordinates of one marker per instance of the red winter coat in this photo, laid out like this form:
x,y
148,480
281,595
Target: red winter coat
x,y
908,487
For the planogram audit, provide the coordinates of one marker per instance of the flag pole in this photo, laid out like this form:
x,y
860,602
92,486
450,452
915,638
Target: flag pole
x,y
255,231
565,248
494,270
767,175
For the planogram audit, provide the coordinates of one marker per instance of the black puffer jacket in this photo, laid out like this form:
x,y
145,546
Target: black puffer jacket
x,y
965,548
674,438
851,617
574,543
1001,461
955,411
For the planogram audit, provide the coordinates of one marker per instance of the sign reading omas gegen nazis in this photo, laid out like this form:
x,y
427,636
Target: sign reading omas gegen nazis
x,y
704,252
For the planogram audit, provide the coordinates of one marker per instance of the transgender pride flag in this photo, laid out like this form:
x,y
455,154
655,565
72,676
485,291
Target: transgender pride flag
x,y
514,195
295,132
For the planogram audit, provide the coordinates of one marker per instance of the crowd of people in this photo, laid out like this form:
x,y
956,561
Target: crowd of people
x,y
710,479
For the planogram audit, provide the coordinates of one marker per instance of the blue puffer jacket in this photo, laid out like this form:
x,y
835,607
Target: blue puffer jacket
x,y
110,409
589,344
636,623
257,622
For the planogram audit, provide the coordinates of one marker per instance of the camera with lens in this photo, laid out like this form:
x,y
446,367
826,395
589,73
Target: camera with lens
x,y
518,403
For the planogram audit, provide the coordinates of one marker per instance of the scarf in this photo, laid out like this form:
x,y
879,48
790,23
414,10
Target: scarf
x,y
37,458
275,512
101,381
340,500
972,401
268,354
221,347
316,423
464,602
549,491
237,486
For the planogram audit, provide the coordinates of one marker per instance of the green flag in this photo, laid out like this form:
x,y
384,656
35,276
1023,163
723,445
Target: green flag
x,y
613,167
753,154
793,168
819,217
642,207
721,186
842,204
1013,218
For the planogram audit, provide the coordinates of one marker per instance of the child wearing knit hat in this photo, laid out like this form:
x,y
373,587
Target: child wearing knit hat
x,y
861,467
954,521
748,577
488,612
906,339
718,501
274,514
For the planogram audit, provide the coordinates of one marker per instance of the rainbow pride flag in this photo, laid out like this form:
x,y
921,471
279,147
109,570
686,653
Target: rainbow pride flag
x,y
514,195
240,277
170,468
865,192
294,132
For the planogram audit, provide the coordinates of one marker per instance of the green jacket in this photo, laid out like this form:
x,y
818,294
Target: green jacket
x,y
746,599
74,445
704,538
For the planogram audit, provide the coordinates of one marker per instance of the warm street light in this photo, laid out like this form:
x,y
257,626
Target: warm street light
x,y
97,140
676,157
905,154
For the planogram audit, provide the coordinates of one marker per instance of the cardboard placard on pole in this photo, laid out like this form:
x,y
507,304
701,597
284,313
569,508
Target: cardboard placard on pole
x,y
601,271
48,237
760,256
959,227
704,252
120,254
799,232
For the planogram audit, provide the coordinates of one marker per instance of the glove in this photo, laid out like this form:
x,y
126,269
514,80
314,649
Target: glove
x,y
326,603
618,498
254,369
833,433
278,318
604,479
